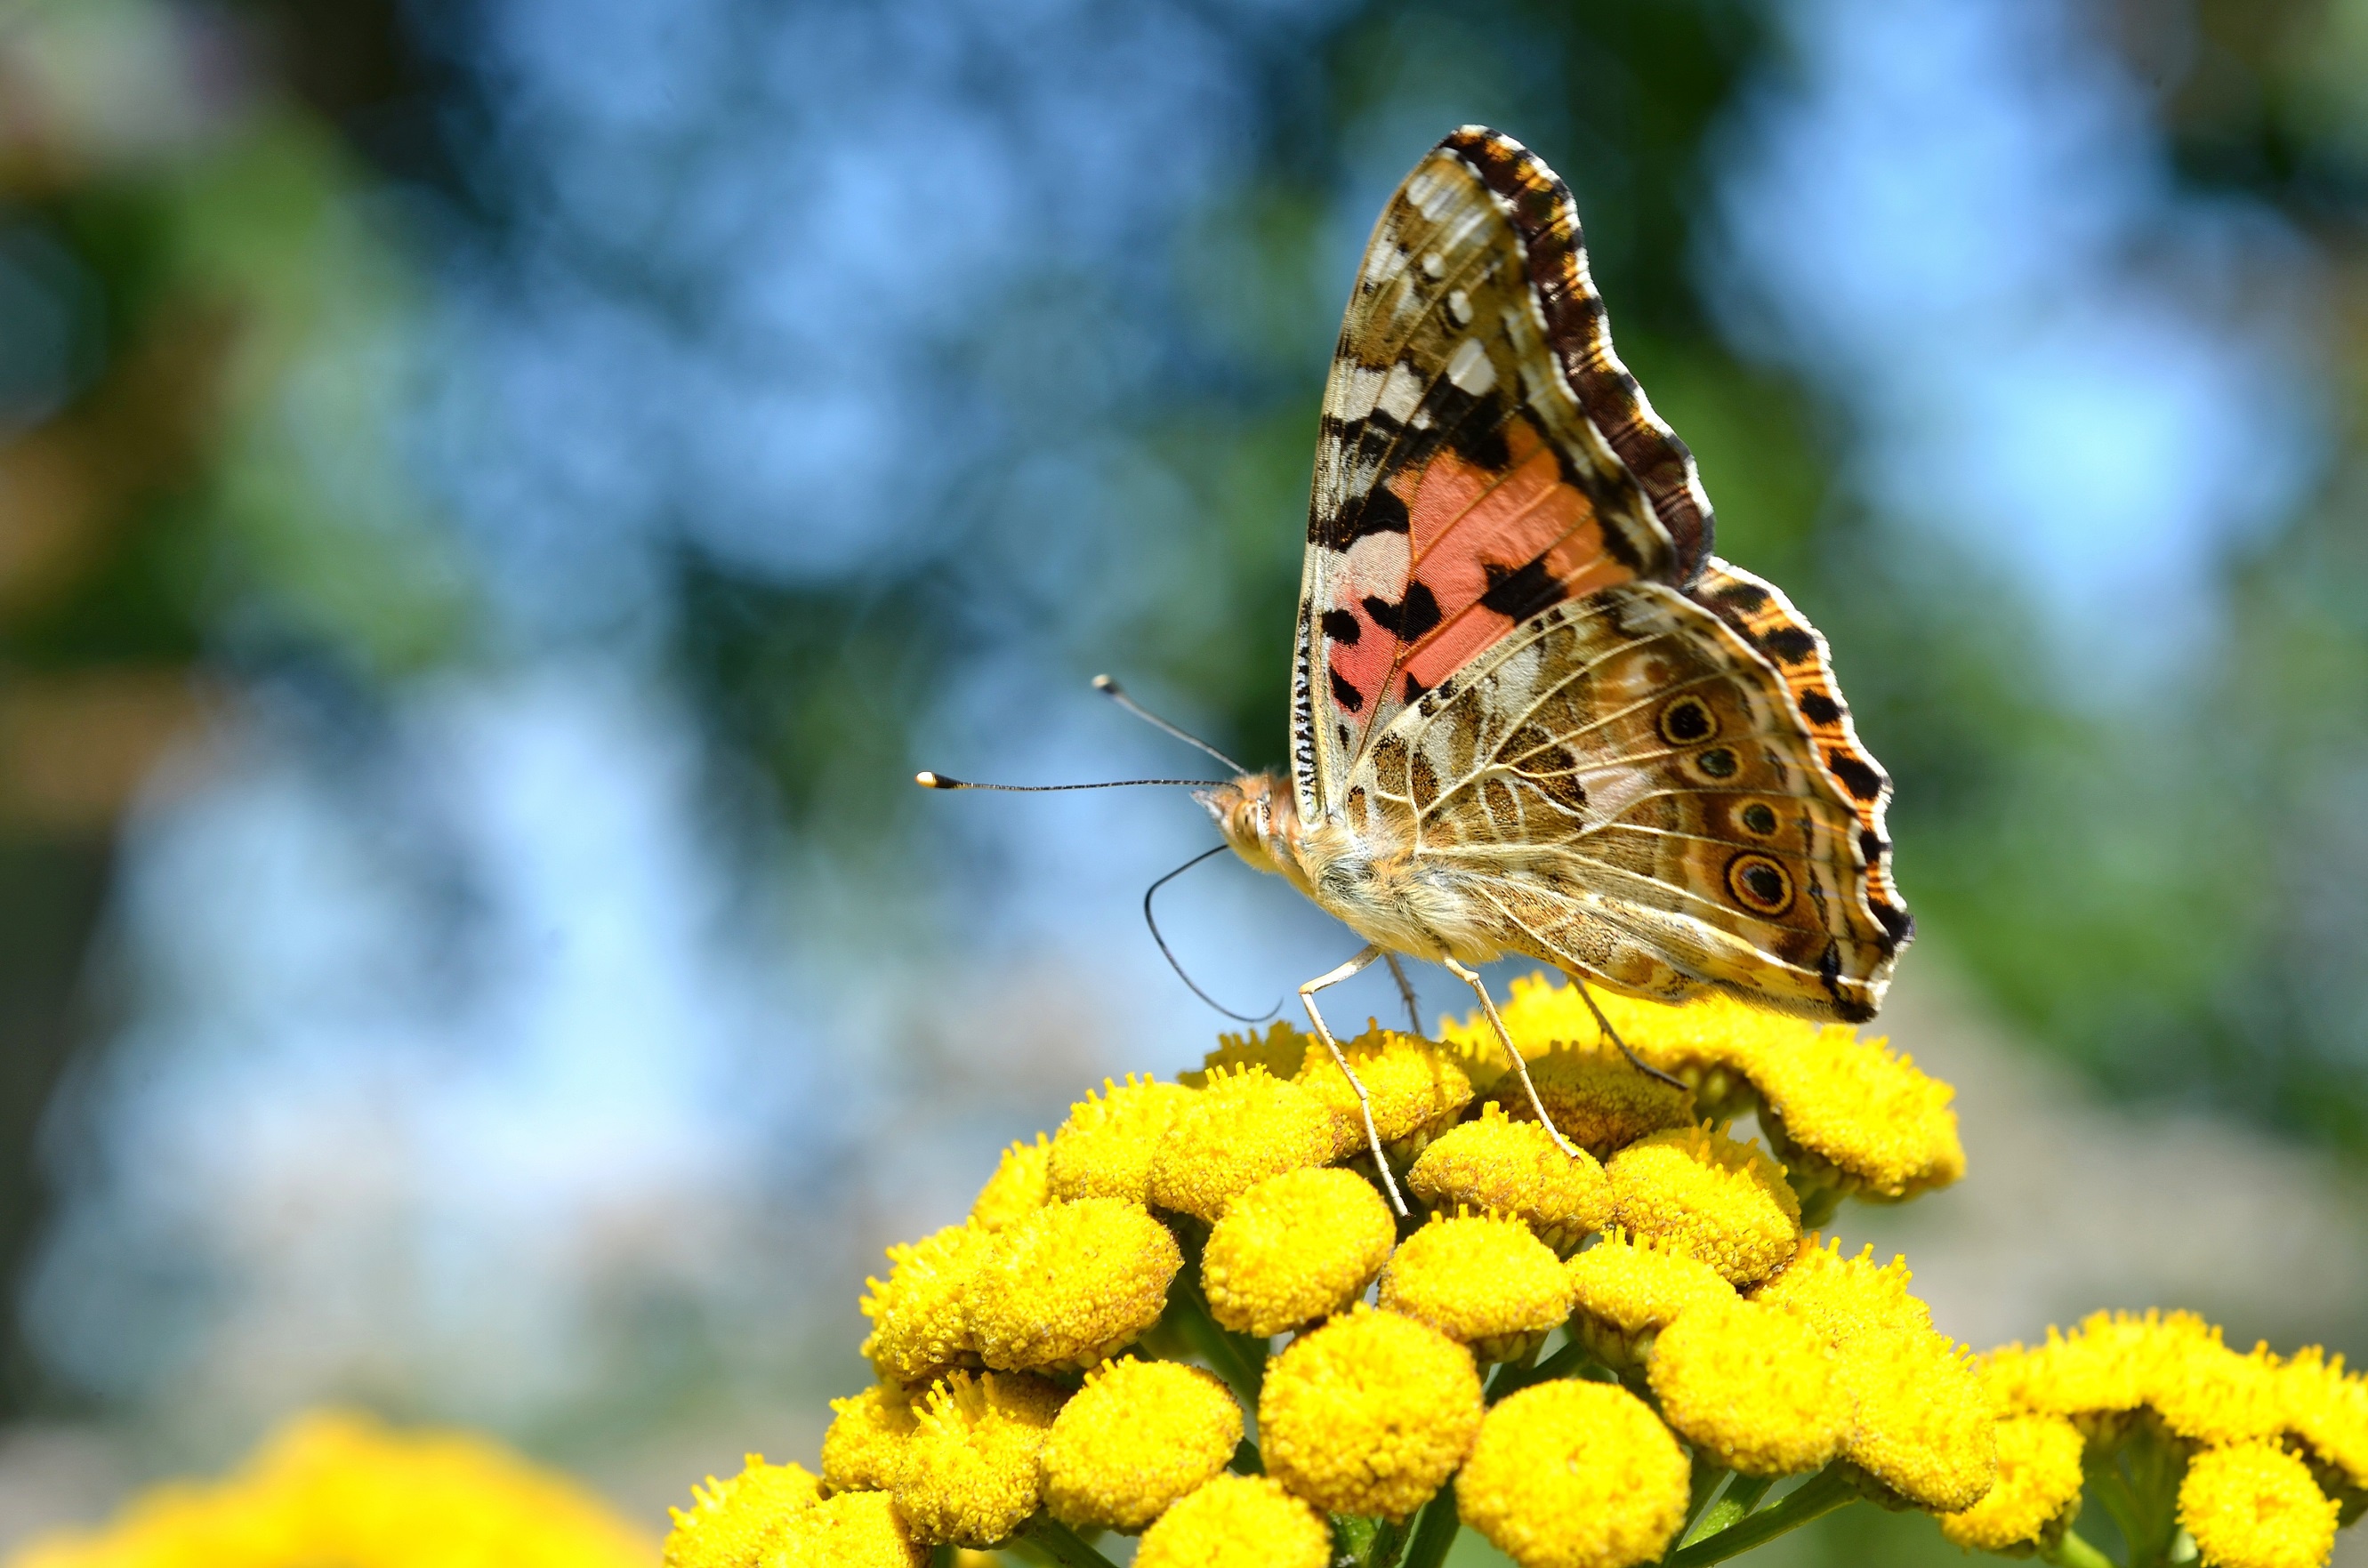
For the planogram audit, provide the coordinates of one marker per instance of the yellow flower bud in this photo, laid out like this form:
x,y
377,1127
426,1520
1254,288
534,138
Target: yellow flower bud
x,y
1416,1091
1104,1150
1245,1126
1021,1185
1921,1422
1753,1386
730,1524
865,1440
1136,1437
856,1529
1295,1248
2038,1487
1572,1474
1368,1414
1070,1285
1237,1521
974,1467
2255,1505
1704,1193
917,1327
1513,1168
1624,1291
1482,1279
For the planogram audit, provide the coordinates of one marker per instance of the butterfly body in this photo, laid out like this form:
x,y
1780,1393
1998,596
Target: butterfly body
x,y
1532,712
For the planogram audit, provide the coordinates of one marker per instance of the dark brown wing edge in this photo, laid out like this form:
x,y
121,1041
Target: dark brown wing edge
x,y
1782,635
1580,332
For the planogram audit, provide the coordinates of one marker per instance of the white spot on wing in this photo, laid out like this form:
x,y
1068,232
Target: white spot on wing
x,y
1402,392
1459,305
1470,368
1377,565
1434,265
1355,392
1431,187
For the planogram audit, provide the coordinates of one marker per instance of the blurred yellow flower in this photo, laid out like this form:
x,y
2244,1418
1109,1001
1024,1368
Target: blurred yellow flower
x,y
1023,1183
1368,1414
1482,1280
1138,1435
1702,1193
1575,1475
1295,1248
1069,1285
1245,1127
1104,1149
918,1329
2038,1487
338,1487
1237,1521
1752,1386
974,1467
2255,1505
731,1524
1512,1167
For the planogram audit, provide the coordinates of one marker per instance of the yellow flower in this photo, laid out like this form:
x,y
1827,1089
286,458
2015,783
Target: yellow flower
x,y
1281,1051
731,1523
1573,1474
1481,1280
2038,1487
2255,1505
2328,1411
1136,1437
974,1466
1245,1126
1691,1041
1416,1092
1597,1098
2209,1394
1070,1285
1104,1150
1846,1296
336,1487
1857,1117
857,1530
1513,1168
1624,1291
1368,1414
1296,1247
1700,1191
1021,1185
1920,1420
1753,1386
865,1440
917,1327
1237,1521
2113,1362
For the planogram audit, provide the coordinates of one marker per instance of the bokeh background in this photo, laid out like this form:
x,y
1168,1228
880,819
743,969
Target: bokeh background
x,y
496,499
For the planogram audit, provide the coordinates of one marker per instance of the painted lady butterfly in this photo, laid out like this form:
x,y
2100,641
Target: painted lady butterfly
x,y
1530,712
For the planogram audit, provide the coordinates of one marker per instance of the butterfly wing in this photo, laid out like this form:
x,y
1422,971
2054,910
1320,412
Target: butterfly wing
x,y
1484,454
1626,786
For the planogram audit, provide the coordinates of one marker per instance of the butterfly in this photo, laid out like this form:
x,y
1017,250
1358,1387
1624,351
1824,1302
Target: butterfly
x,y
1532,713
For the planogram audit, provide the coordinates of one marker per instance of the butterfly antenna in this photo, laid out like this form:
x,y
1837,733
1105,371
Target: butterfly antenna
x,y
928,780
1112,691
1170,956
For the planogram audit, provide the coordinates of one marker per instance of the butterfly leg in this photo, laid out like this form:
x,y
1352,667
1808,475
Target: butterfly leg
x,y
1405,992
1372,1134
1470,977
1613,1035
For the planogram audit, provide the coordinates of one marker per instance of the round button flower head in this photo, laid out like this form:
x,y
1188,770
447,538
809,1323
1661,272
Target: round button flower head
x,y
1295,1248
1859,1119
1922,1422
1625,1290
1104,1149
1597,1097
1704,1193
730,1524
1482,1279
1416,1091
974,1467
1021,1185
2328,1411
2110,1365
1237,1521
1844,1296
1070,1285
1136,1437
1281,1050
1368,1414
2209,1394
917,1327
1754,1387
2037,1493
865,1440
1514,1168
855,1529
1573,1474
1245,1127
2255,1505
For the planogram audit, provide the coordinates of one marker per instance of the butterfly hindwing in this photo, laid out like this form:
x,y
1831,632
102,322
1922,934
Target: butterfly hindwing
x,y
1484,454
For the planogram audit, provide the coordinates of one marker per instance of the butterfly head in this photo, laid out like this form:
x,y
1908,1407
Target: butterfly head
x,y
1259,818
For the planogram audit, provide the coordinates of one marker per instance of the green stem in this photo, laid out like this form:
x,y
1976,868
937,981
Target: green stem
x,y
1740,1499
1246,1460
1062,1544
1224,1352
1708,1477
1829,1489
1435,1532
2074,1551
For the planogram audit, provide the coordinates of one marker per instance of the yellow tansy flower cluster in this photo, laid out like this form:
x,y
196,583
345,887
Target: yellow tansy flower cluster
x,y
336,1487
1191,1314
